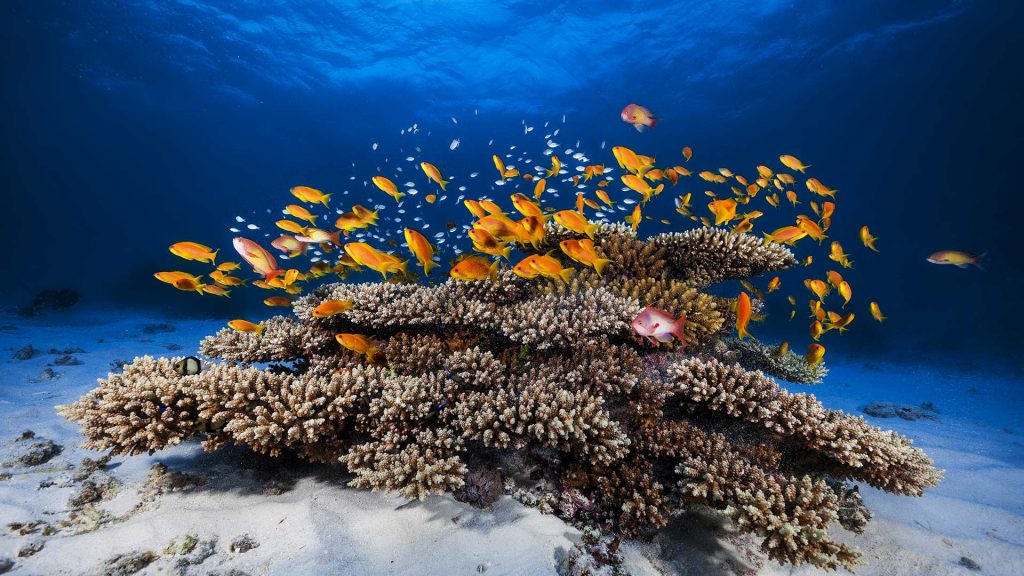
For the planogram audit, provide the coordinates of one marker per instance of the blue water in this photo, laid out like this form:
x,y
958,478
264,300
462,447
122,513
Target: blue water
x,y
129,125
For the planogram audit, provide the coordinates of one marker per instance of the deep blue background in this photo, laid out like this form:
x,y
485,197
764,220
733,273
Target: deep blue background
x,y
130,125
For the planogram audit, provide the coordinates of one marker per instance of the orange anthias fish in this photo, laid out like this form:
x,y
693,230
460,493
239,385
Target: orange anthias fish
x,y
359,344
774,284
836,255
792,163
329,308
658,326
301,213
556,167
524,268
634,219
421,249
310,195
366,255
845,291
641,186
277,301
246,326
290,245
724,210
592,170
639,117
539,188
786,235
474,268
957,258
575,222
549,266
499,165
629,160
194,251
257,257
484,242
815,185
815,354
867,239
583,251
811,228
388,187
742,315
819,287
876,312
433,173
687,153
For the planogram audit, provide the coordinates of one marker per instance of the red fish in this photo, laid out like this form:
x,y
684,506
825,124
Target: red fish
x,y
659,326
639,117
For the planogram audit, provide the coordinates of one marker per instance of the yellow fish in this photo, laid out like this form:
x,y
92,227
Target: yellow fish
x,y
388,187
575,222
289,226
603,196
876,312
421,249
246,326
329,308
819,287
434,174
539,188
499,165
867,238
815,185
774,284
194,251
310,195
474,268
301,213
765,173
724,210
359,344
815,354
836,255
635,218
816,329
845,291
792,163
229,266
556,166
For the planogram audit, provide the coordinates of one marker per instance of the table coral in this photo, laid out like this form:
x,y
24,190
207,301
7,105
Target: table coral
x,y
549,372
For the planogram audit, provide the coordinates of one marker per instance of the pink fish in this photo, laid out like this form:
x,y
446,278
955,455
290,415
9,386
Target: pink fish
x,y
262,262
659,326
639,117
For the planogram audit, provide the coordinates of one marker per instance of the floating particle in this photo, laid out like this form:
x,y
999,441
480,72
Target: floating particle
x,y
455,144
474,174
374,146
454,120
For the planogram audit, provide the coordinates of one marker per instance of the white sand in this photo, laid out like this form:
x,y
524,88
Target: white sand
x,y
321,527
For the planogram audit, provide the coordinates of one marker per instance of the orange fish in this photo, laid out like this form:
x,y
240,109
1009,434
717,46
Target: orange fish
x,y
786,235
388,187
310,195
301,213
687,153
815,354
421,249
539,188
194,251
329,308
433,173
742,315
246,326
724,210
549,266
819,287
575,222
957,258
277,301
359,344
583,251
474,268
876,312
257,257
867,238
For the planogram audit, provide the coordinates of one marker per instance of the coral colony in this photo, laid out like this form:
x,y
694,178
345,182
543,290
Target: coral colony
x,y
482,386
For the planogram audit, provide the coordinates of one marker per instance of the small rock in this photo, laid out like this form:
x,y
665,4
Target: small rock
x,y
925,411
51,300
5,476
172,346
243,544
969,564
27,352
67,360
5,565
87,466
31,549
31,451
117,364
49,374
87,493
127,564
159,328
483,487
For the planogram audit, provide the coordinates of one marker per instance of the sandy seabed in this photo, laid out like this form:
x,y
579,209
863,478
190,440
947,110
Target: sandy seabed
x,y
229,513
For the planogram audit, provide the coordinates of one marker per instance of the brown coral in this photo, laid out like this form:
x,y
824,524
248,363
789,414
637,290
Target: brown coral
x,y
544,374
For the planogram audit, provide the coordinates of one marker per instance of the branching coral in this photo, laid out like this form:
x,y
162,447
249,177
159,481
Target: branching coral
x,y
552,373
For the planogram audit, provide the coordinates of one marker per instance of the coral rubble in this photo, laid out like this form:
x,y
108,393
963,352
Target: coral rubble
x,y
544,373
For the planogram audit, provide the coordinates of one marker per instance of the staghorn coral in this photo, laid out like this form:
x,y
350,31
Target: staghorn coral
x,y
543,381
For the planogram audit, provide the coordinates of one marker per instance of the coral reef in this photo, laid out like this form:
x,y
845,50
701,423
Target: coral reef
x,y
472,374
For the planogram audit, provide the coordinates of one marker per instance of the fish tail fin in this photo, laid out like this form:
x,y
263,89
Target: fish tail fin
x,y
590,229
428,266
565,274
214,259
336,237
654,121
493,273
639,127
443,183
977,261
600,263
260,328
742,333
506,252
677,328
326,199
